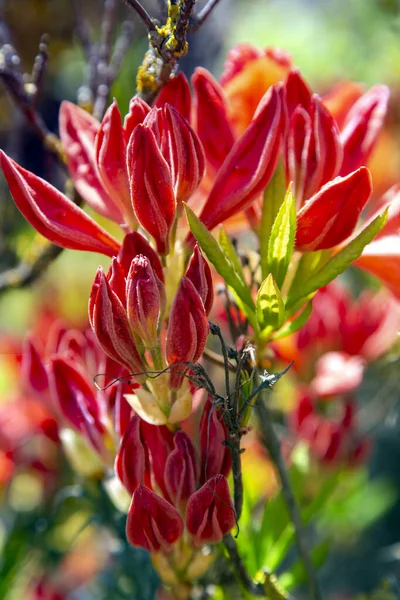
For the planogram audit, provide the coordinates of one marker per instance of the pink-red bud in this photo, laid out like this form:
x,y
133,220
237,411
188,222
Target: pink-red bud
x,y
181,470
209,513
153,523
145,301
199,274
132,463
187,330
215,456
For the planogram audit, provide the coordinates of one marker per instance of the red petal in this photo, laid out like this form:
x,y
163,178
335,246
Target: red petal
x,y
249,166
52,214
176,93
211,118
330,216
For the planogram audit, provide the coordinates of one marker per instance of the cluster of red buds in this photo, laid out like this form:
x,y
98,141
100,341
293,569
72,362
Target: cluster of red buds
x,y
127,310
180,499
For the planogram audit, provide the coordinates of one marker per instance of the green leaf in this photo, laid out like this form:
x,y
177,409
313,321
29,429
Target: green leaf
x,y
270,308
273,198
309,263
281,241
231,253
339,262
218,257
292,326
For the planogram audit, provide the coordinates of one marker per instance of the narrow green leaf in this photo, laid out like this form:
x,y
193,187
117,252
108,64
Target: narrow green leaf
x,y
296,575
292,326
339,262
309,263
231,253
218,257
281,241
270,308
273,197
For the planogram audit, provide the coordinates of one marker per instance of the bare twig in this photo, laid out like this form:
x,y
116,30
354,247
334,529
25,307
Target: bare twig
x,y
143,14
14,82
273,446
198,20
39,68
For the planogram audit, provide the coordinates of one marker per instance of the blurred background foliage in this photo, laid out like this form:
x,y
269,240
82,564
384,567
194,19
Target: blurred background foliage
x,y
329,40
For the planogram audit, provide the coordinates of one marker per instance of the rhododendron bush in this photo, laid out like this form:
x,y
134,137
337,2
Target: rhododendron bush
x,y
203,426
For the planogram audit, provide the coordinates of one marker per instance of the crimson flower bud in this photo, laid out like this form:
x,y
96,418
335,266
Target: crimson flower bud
x,y
187,330
297,92
181,470
110,151
73,393
116,279
145,301
152,523
138,110
160,442
54,215
176,93
110,324
216,458
133,244
132,464
78,131
330,216
209,513
152,192
211,118
181,148
314,152
199,274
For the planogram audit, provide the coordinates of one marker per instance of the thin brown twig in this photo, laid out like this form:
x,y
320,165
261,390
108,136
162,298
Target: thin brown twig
x,y
256,589
202,15
143,14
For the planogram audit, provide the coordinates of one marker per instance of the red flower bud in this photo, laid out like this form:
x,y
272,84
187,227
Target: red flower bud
x,y
216,457
250,164
78,131
211,118
110,150
133,244
297,92
152,192
181,148
313,151
73,393
199,274
153,523
160,441
110,325
187,330
52,214
330,216
132,464
145,301
362,127
116,279
138,110
181,470
210,513
176,93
